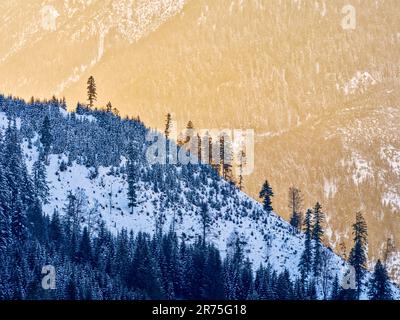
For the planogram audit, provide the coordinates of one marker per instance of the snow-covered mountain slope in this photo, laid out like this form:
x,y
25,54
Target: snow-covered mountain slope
x,y
172,195
266,238
237,64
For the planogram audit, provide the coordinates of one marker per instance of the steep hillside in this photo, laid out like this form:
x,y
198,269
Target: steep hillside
x,y
88,161
324,101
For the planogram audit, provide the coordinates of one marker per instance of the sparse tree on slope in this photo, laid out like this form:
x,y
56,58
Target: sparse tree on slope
x,y
266,194
317,236
132,178
295,201
205,220
39,179
46,137
91,91
109,107
305,264
358,255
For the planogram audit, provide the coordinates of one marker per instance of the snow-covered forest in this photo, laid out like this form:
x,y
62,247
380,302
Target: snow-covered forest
x,y
77,193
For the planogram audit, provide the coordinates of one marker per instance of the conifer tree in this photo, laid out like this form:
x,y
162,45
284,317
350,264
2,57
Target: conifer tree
x,y
284,286
132,178
5,222
109,107
167,133
91,91
379,286
39,179
317,236
306,259
189,132
266,194
56,230
205,220
295,202
46,137
242,163
335,289
168,124
85,248
358,254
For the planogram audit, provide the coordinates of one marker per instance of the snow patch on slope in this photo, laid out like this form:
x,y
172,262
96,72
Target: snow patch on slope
x,y
330,188
391,198
392,156
362,169
359,83
4,121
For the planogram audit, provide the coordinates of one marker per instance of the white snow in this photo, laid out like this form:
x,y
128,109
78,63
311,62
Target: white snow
x,y
330,188
4,121
358,83
392,155
362,169
392,198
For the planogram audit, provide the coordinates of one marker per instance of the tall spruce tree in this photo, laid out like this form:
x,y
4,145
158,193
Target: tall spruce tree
x,y
205,220
317,236
379,286
335,289
132,178
295,202
305,264
168,125
167,133
358,254
5,222
91,91
39,179
46,137
19,183
266,194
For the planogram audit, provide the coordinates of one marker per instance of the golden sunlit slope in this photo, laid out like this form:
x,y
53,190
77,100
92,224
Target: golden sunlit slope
x,y
324,101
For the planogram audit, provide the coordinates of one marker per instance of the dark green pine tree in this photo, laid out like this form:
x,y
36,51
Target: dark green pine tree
x,y
213,287
19,183
205,220
5,221
317,236
305,263
91,91
37,224
56,234
109,107
284,286
379,287
167,133
246,281
39,179
358,254
46,137
19,221
266,194
85,248
295,201
335,289
132,178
